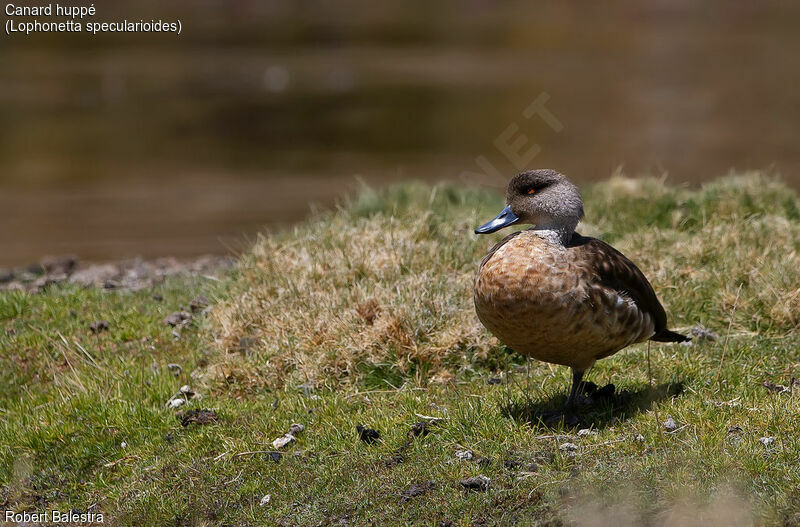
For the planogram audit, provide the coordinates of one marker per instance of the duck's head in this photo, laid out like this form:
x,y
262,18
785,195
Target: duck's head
x,y
543,198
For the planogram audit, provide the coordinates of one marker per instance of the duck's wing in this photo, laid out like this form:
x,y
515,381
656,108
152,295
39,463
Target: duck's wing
x,y
609,268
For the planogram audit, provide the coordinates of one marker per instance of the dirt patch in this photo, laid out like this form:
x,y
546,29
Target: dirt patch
x,y
129,274
417,489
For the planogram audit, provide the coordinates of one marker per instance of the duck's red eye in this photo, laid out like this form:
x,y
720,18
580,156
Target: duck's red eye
x,y
531,190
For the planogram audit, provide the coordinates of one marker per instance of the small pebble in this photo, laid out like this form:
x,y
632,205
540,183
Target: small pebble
x,y
478,483
98,326
199,416
123,445
669,424
767,441
296,428
282,441
568,447
483,461
464,454
264,500
703,333
174,403
199,303
177,318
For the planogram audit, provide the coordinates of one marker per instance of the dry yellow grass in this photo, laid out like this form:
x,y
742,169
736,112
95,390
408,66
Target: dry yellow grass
x,y
379,291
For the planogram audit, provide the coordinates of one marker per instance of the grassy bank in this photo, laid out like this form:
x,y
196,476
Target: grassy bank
x,y
364,316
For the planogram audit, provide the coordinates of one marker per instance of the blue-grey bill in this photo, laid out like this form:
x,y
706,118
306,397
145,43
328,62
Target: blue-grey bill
x,y
504,219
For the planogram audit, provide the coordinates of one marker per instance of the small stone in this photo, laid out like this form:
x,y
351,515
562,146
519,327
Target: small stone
x,y
367,435
282,441
198,303
478,483
669,424
584,432
175,403
42,283
177,318
197,416
767,441
465,455
483,461
59,264
123,445
276,456
264,500
98,326
94,275
296,428
494,380
186,390
702,333
568,447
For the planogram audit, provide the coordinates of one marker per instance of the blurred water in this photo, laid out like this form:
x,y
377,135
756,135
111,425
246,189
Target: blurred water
x,y
123,145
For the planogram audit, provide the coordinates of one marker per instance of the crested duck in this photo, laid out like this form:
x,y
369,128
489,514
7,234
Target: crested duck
x,y
554,295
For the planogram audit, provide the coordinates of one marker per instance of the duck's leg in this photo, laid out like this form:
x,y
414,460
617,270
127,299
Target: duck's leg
x,y
577,377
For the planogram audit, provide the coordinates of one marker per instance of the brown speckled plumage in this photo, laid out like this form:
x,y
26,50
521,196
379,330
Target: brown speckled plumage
x,y
555,303
554,295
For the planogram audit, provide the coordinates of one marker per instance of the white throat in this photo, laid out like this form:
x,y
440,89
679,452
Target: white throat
x,y
556,235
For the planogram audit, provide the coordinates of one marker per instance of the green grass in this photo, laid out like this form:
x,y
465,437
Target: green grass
x,y
364,316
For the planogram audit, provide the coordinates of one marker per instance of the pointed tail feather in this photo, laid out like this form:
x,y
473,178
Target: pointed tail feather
x,y
666,335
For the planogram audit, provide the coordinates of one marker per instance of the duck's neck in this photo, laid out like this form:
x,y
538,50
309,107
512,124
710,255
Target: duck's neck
x,y
556,235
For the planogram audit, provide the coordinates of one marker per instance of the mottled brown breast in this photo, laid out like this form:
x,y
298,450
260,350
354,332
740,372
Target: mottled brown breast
x,y
549,302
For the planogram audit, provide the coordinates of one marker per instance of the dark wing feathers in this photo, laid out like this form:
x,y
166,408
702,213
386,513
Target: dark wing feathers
x,y
612,269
